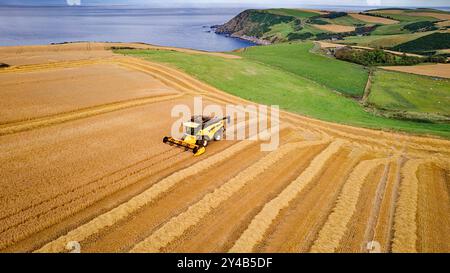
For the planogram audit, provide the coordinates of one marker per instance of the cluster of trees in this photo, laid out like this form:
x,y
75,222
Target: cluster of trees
x,y
436,59
420,26
317,21
437,40
297,25
299,36
377,15
329,36
333,15
374,57
364,30
2,65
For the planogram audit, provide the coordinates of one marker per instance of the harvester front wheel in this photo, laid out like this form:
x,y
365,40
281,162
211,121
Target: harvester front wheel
x,y
202,142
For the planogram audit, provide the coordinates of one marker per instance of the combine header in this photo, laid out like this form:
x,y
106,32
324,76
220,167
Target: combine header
x,y
198,132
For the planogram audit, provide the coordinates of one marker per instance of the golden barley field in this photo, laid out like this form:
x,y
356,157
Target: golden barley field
x,y
82,160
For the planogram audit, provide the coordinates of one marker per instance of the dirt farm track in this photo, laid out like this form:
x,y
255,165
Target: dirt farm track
x,y
82,160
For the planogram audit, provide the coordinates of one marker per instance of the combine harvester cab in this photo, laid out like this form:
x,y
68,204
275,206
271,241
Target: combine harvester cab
x,y
198,132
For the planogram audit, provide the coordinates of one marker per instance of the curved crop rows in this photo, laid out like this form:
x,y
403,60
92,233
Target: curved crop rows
x,y
100,175
332,232
262,221
138,201
176,226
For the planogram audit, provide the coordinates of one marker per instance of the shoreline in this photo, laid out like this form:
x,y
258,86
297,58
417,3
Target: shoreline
x,y
26,54
256,41
176,48
252,39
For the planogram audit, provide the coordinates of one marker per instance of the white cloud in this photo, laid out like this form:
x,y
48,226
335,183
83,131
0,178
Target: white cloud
x,y
73,2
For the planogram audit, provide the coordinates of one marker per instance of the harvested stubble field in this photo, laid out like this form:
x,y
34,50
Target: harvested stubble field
x,y
373,19
433,70
92,168
335,28
441,16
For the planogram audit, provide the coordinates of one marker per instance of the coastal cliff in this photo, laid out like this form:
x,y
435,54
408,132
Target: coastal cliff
x,y
284,25
251,25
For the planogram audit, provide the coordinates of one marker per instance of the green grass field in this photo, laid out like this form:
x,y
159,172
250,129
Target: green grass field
x,y
411,93
280,30
391,29
347,78
427,10
270,84
284,29
398,28
385,41
347,21
404,17
311,29
293,12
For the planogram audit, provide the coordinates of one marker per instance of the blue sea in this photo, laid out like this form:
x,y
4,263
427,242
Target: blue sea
x,y
179,27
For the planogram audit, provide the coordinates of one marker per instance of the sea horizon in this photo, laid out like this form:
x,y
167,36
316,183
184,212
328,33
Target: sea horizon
x,y
185,27
231,6
176,27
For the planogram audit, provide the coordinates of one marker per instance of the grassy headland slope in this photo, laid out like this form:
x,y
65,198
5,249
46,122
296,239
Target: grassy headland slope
x,y
346,78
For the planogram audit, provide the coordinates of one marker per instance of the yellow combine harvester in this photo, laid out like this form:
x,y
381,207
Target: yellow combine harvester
x,y
198,132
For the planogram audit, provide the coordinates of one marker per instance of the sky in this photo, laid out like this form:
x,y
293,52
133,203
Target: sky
x,y
237,3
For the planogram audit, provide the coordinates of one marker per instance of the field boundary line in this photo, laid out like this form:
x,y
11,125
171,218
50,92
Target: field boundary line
x,y
405,225
262,221
420,141
335,227
176,226
383,141
190,80
160,75
368,87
